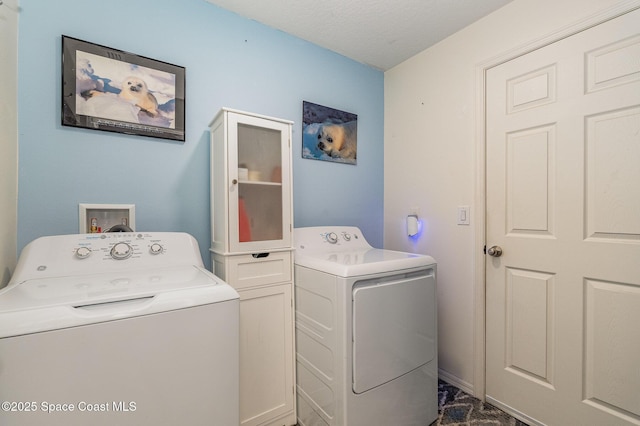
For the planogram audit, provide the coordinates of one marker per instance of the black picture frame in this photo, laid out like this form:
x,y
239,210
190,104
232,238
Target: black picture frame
x,y
117,91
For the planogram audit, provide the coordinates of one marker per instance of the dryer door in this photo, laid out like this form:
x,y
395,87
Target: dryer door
x,y
394,327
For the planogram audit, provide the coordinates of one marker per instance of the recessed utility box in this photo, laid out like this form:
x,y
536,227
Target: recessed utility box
x,y
97,218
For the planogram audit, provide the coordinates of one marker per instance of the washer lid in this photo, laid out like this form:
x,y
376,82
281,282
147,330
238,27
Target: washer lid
x,y
51,303
361,262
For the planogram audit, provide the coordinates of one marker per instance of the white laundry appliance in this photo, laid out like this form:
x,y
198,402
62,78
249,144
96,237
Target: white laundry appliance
x,y
118,329
366,333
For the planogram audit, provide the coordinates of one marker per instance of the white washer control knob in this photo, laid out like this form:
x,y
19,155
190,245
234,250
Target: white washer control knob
x,y
83,252
156,248
121,251
332,238
346,236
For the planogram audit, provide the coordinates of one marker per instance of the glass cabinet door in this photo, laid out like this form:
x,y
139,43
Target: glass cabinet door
x,y
259,191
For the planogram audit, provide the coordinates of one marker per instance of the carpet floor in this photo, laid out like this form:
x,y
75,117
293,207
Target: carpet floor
x,y
457,408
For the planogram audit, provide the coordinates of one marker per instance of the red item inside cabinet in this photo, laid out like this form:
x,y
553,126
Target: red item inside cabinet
x,y
243,222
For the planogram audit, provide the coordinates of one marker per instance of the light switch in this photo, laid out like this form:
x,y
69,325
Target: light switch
x,y
463,215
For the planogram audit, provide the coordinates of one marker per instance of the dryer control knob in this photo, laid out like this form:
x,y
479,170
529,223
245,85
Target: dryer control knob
x,y
83,252
156,248
332,238
121,251
346,236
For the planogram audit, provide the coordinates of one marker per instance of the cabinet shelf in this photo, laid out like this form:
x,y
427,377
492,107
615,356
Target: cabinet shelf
x,y
259,182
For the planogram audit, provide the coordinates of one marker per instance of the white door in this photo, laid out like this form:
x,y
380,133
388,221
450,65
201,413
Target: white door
x,y
266,356
563,203
260,202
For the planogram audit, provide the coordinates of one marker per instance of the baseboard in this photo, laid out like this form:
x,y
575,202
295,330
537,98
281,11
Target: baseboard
x,y
514,413
455,381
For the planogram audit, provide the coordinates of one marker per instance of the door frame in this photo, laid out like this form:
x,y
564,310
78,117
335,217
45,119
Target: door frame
x,y
479,316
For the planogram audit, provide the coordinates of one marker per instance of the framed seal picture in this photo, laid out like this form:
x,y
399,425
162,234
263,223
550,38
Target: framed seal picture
x,y
117,91
329,134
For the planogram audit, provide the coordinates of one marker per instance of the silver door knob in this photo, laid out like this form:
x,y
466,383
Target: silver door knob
x,y
495,251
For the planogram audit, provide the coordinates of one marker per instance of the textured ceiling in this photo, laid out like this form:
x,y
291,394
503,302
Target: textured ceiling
x,y
379,33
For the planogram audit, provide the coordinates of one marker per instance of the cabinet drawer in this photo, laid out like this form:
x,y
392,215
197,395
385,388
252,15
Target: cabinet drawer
x,y
249,271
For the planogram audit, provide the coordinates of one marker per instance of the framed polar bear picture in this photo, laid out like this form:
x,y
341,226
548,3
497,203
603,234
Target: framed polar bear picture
x,y
329,134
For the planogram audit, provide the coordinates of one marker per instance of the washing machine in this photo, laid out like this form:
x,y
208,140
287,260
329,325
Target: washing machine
x,y
118,328
366,332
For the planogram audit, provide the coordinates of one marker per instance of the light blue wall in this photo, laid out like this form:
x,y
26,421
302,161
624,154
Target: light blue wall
x,y
230,61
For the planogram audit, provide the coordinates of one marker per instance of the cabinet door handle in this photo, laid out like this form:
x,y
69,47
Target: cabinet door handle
x,y
235,181
259,255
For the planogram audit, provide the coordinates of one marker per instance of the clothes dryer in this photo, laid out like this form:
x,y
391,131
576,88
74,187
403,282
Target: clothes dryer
x,y
366,331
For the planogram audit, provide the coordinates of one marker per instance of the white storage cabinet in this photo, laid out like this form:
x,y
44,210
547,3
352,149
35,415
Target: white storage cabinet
x,y
251,249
